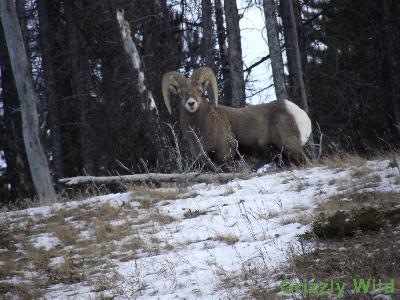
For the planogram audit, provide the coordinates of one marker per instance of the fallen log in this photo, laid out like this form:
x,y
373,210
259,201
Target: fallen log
x,y
155,177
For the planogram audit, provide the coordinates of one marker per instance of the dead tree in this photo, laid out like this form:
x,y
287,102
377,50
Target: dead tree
x,y
19,62
146,104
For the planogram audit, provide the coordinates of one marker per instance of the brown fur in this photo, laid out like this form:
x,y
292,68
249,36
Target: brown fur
x,y
255,128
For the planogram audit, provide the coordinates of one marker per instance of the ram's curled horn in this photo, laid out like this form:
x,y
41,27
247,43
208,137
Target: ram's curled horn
x,y
203,74
170,82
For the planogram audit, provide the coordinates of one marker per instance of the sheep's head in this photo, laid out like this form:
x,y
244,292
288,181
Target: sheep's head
x,y
189,90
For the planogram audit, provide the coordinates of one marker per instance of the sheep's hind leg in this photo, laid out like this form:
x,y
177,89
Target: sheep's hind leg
x,y
293,151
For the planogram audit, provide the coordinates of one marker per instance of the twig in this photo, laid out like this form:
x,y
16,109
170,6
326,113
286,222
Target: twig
x,y
320,143
122,165
202,152
178,152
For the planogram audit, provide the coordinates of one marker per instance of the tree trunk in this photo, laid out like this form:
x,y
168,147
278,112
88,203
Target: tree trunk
x,y
275,49
160,55
50,87
37,159
391,12
298,69
208,36
235,54
16,175
294,90
223,54
146,101
80,82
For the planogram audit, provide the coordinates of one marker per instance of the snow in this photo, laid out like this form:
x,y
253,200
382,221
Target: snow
x,y
45,241
262,215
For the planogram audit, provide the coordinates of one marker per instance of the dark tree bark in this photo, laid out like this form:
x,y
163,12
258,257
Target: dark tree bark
x,y
275,49
391,35
208,36
297,71
223,54
235,54
294,90
48,64
19,62
80,82
297,67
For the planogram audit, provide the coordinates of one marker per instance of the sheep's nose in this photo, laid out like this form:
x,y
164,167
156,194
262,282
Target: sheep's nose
x,y
191,103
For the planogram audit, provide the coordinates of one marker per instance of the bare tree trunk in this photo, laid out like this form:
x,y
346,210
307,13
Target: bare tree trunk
x,y
274,49
37,159
299,71
208,37
80,83
223,54
17,174
235,54
49,76
298,68
146,102
391,13
294,85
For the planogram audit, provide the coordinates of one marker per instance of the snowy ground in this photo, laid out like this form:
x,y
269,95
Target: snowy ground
x,y
206,241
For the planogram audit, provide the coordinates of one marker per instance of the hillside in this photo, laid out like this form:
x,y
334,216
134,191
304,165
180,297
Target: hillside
x,y
233,240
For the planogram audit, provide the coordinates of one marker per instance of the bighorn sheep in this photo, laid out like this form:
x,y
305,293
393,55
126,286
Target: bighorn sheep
x,y
280,124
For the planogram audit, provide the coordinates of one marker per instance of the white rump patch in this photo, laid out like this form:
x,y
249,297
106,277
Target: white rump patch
x,y
302,120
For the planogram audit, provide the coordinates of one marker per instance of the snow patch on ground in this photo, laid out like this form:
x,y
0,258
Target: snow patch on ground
x,y
46,241
216,233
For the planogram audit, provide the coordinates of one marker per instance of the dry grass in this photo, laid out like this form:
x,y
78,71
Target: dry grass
x,y
301,218
368,255
253,278
228,191
68,273
149,195
269,215
355,236
227,239
360,172
108,223
66,233
133,244
352,199
189,214
105,231
162,218
342,161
